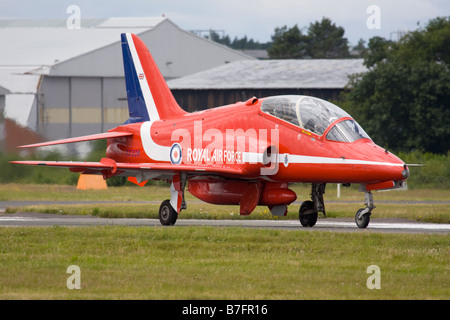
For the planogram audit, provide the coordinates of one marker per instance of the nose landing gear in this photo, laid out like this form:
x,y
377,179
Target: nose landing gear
x,y
362,216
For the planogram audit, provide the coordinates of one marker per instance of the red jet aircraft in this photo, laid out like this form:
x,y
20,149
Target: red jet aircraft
x,y
242,154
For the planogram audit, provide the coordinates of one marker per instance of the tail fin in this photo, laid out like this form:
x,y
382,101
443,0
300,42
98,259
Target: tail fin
x,y
149,97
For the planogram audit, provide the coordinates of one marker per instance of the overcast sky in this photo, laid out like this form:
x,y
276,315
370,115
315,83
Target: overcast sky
x,y
255,18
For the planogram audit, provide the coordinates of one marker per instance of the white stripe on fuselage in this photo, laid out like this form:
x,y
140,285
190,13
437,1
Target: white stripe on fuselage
x,y
149,102
152,149
253,157
325,160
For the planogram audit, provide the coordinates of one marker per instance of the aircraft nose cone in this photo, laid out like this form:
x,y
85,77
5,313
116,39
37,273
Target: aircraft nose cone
x,y
391,167
398,168
405,171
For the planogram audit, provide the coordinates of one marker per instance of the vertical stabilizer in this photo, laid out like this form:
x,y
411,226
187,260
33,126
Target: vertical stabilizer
x,y
149,97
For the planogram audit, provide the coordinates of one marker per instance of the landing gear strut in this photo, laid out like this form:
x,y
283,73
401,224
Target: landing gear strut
x,y
169,209
309,210
362,217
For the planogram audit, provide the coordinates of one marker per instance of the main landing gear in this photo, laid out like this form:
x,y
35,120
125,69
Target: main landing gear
x,y
309,209
169,209
167,214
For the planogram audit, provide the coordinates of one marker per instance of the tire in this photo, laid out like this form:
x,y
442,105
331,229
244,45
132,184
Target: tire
x,y
307,219
167,215
363,221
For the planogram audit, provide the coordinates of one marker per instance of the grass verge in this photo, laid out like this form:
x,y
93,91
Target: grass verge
x,y
219,263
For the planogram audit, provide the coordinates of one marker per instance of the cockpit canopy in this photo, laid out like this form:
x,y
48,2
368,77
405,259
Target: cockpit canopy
x,y
314,115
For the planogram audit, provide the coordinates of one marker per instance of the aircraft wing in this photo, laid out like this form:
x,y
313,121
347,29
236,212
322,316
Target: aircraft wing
x,y
99,136
108,168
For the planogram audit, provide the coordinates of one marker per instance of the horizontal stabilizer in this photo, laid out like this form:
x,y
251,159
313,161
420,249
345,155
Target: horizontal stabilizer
x,y
99,136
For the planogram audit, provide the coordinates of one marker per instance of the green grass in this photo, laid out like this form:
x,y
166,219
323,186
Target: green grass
x,y
219,263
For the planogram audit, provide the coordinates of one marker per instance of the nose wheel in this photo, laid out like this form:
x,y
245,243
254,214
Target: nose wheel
x,y
362,219
362,216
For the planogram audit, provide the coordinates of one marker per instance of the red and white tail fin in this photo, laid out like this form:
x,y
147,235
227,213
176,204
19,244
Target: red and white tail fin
x,y
149,97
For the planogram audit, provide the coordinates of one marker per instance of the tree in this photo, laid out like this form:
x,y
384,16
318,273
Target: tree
x,y
360,50
403,100
326,40
288,43
378,50
238,44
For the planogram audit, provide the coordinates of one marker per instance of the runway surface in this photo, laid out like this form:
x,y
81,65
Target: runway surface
x,y
329,224
29,219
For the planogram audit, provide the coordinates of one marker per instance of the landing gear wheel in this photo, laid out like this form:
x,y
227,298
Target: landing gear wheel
x,y
307,215
167,215
362,220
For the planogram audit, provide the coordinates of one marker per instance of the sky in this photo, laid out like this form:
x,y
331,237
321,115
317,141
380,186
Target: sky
x,y
256,19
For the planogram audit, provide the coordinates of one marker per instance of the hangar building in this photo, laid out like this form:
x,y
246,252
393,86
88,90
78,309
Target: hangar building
x,y
62,82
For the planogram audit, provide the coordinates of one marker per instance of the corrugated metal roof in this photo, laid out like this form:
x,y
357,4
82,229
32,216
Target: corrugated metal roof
x,y
274,74
147,22
46,23
47,46
31,47
16,81
46,42
142,22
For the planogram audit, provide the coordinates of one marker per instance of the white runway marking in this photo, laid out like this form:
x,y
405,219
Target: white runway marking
x,y
384,225
30,219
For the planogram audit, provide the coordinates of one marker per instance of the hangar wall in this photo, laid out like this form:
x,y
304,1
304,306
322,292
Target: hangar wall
x,y
73,106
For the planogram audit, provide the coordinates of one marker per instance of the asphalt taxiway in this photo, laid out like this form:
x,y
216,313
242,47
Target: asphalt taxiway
x,y
24,219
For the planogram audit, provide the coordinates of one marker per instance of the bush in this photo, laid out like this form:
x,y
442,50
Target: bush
x,y
435,172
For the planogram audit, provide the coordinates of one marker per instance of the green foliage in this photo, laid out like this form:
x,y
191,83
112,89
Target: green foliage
x,y
435,172
324,40
243,43
403,100
377,51
288,43
35,174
